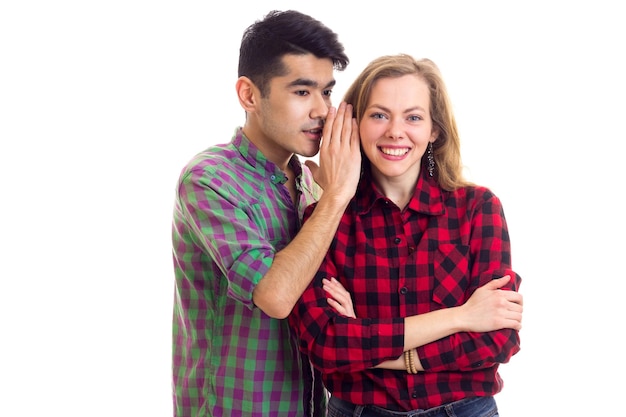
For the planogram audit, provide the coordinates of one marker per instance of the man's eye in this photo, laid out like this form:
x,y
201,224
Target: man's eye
x,y
302,92
328,93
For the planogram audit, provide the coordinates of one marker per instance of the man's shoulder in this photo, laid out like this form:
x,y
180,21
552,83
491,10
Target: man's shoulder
x,y
214,157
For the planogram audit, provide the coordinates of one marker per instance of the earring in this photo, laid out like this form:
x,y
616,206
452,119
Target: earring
x,y
431,160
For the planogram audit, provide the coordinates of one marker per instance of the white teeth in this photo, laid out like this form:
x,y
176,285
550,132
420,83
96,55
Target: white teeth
x,y
394,151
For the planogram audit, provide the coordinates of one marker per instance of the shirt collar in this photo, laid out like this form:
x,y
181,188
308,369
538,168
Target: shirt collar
x,y
427,199
261,164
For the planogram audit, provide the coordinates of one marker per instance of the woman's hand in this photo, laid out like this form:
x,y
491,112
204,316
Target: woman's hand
x,y
339,299
491,308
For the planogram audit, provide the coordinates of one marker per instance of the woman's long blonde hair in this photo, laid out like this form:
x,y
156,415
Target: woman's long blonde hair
x,y
447,148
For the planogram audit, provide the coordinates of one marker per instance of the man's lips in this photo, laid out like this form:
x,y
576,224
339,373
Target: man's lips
x,y
315,133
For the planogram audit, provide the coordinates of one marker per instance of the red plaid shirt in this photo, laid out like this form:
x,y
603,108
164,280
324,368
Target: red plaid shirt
x,y
400,263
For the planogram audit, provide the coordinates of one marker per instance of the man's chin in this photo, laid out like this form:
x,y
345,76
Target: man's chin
x,y
310,152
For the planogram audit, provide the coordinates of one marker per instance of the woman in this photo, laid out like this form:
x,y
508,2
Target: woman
x,y
426,257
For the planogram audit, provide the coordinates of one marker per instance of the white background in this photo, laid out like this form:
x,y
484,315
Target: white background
x,y
102,102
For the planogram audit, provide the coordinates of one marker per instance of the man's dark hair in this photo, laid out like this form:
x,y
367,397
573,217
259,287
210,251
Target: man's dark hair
x,y
266,41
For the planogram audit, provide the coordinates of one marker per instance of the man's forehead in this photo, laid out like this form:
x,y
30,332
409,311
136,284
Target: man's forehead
x,y
308,71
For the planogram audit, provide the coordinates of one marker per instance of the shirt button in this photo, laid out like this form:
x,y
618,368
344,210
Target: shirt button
x,y
411,249
273,177
414,394
397,240
403,290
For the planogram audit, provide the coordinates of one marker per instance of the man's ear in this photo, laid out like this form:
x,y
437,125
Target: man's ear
x,y
246,93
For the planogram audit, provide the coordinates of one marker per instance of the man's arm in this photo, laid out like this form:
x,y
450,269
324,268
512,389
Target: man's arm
x,y
295,265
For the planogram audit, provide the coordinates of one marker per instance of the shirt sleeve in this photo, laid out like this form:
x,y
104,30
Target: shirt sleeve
x,y
222,224
335,343
490,254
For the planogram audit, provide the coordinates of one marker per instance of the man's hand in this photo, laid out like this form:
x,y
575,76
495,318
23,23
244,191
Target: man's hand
x,y
340,154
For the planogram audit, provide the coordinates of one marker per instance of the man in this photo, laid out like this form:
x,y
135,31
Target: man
x,y
241,257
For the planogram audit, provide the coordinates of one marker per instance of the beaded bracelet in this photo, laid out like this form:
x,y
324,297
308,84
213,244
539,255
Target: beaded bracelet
x,y
409,361
413,360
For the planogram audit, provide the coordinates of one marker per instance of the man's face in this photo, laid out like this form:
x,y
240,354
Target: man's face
x,y
291,116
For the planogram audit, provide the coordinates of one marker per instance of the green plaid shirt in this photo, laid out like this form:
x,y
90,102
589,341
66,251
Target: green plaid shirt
x,y
232,214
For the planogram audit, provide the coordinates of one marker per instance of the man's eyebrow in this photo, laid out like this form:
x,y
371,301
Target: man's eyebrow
x,y
306,82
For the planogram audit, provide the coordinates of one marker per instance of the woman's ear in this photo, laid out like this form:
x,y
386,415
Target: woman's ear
x,y
433,136
246,93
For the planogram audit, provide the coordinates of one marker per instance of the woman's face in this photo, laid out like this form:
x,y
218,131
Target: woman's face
x,y
396,127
